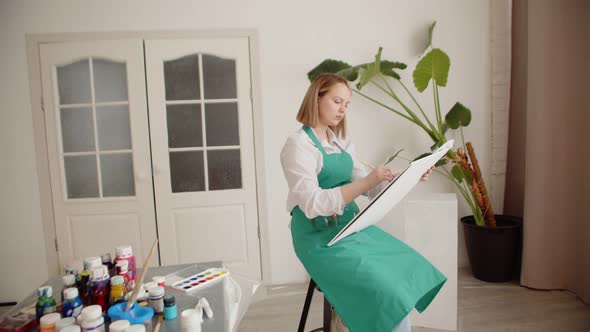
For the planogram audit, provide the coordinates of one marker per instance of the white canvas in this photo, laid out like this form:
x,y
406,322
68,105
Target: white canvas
x,y
392,194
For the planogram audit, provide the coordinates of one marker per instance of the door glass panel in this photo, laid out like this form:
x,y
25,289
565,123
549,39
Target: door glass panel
x,y
184,126
186,171
225,171
181,78
110,81
221,121
117,175
113,127
74,83
219,77
77,130
81,176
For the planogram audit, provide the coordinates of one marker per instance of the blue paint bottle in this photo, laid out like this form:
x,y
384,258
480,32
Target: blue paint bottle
x,y
72,305
169,307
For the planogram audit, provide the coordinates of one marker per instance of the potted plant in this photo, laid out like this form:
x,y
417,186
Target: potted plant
x,y
492,241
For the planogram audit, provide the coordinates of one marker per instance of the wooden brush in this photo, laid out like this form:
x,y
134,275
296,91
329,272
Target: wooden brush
x,y
139,280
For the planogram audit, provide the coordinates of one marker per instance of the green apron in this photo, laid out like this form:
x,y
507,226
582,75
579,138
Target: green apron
x,y
372,279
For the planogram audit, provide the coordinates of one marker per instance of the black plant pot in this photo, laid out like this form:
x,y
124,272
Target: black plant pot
x,y
494,252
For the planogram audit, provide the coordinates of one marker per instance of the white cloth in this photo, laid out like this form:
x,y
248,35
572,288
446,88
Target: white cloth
x,y
302,161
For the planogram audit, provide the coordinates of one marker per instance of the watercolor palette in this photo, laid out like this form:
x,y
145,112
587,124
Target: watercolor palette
x,y
201,279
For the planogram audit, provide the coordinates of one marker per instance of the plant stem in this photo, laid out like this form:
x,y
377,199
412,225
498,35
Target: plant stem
x,y
437,105
385,106
463,139
419,107
465,192
408,110
415,119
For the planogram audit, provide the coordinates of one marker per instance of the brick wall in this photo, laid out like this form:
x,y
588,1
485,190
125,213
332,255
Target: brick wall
x,y
501,16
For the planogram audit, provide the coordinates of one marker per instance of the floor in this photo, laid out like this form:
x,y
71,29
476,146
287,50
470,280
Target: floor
x,y
484,307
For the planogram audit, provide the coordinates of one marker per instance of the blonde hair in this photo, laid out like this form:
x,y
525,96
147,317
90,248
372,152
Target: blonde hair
x,y
309,111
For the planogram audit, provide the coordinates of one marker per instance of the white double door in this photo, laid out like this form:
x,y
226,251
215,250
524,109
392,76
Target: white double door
x,y
152,138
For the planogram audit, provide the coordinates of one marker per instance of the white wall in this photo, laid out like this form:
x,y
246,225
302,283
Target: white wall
x,y
293,37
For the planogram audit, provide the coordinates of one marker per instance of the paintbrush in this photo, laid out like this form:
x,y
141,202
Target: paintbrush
x,y
158,323
139,280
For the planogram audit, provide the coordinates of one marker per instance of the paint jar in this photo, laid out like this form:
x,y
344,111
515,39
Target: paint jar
x,y
92,319
135,328
119,325
121,269
69,281
118,291
71,328
126,253
156,299
85,278
170,307
108,262
45,303
64,322
99,287
47,322
160,280
190,320
72,305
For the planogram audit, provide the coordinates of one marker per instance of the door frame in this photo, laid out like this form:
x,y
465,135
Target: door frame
x,y
33,42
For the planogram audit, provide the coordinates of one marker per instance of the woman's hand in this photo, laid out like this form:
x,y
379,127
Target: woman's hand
x,y
380,174
427,174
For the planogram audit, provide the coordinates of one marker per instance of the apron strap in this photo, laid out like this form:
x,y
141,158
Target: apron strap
x,y
314,139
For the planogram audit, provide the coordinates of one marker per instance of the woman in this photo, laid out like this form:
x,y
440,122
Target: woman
x,y
371,279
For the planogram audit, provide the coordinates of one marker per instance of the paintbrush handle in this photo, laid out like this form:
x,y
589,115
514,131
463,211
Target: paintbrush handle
x,y
367,164
139,280
158,323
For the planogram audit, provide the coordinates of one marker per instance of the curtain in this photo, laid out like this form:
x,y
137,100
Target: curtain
x,y
547,180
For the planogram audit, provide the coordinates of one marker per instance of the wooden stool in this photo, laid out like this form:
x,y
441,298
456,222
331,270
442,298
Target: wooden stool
x,y
327,310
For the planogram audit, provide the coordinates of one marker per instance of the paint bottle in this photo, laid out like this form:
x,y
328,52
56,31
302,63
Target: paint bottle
x,y
160,280
69,281
92,319
121,269
126,253
45,303
135,328
72,305
108,262
156,299
118,291
119,325
71,328
99,287
169,307
89,264
74,268
64,322
47,322
190,320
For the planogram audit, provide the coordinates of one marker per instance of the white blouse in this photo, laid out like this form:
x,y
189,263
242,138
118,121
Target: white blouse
x,y
302,162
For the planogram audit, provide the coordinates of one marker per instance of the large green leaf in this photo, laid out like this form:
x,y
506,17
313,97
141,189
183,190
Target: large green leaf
x,y
458,116
334,67
370,70
434,65
388,66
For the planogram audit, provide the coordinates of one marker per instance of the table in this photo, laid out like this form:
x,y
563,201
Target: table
x,y
227,309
